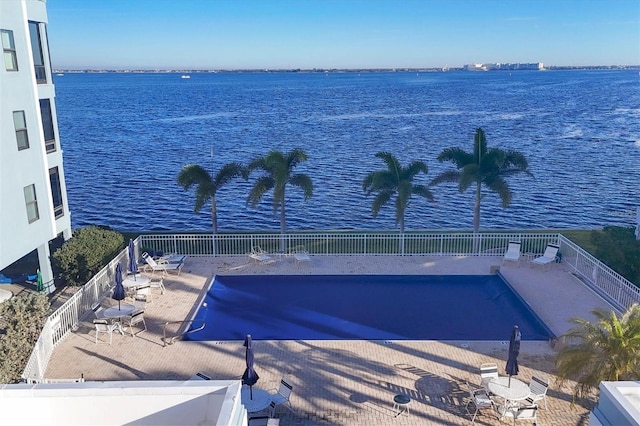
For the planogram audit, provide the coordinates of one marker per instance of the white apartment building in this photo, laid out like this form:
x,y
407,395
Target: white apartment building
x,y
33,197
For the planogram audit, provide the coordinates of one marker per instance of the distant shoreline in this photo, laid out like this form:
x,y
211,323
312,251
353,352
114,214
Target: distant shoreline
x,y
332,70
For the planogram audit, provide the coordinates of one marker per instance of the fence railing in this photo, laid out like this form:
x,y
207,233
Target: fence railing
x,y
610,285
372,244
67,317
619,291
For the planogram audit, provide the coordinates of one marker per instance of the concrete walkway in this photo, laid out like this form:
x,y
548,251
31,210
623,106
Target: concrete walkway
x,y
343,382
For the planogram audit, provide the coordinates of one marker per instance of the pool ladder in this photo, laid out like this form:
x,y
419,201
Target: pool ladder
x,y
170,340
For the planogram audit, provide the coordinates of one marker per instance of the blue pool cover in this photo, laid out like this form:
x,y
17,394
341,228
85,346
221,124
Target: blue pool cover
x,y
364,307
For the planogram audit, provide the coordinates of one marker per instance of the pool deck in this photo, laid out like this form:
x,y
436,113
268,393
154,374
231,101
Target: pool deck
x,y
344,382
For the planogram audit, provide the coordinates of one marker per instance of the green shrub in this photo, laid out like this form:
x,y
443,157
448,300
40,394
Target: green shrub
x,y
618,248
82,256
22,320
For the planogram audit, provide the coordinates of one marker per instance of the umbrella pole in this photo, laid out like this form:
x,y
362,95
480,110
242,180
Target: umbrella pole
x,y
509,385
251,391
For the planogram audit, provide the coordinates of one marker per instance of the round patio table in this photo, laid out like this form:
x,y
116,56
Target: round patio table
x,y
260,401
124,310
139,281
512,392
114,313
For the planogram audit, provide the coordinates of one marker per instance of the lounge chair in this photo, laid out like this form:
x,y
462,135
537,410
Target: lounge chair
x,y
162,266
548,257
300,254
513,253
259,255
171,258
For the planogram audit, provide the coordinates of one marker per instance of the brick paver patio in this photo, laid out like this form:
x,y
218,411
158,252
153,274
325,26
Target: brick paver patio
x,y
343,382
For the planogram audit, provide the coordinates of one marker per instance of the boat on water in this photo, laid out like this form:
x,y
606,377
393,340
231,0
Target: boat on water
x,y
185,76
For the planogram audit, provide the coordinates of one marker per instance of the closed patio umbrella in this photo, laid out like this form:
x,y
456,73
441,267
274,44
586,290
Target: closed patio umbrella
x,y
133,263
118,291
250,377
514,351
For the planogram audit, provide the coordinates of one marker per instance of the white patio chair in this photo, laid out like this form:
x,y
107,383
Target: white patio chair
x,y
513,253
158,282
136,318
488,372
538,387
528,412
548,257
200,376
282,395
268,420
97,310
479,397
104,326
143,293
153,266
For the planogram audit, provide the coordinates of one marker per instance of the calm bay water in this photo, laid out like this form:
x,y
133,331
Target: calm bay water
x,y
126,136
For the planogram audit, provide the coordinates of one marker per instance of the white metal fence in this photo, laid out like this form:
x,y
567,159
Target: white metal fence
x,y
67,317
372,244
613,287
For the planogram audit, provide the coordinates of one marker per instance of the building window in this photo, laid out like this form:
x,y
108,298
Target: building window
x,y
9,51
56,192
21,130
47,125
31,202
36,48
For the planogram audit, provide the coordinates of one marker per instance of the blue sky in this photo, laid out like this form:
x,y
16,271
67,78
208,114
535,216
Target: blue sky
x,y
236,34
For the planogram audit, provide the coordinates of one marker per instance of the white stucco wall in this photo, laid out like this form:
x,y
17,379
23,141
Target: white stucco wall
x,y
210,402
18,169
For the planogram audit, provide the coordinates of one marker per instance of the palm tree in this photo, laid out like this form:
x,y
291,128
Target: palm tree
x,y
395,180
607,349
278,172
207,186
488,167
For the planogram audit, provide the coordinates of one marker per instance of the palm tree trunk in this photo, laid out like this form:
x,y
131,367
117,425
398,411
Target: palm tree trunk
x,y
402,235
283,230
476,209
214,215
214,219
476,219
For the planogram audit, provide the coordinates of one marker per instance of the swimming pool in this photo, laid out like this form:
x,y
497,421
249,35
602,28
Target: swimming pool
x,y
364,307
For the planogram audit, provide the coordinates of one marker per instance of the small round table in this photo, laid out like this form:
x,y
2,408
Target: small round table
x,y
401,404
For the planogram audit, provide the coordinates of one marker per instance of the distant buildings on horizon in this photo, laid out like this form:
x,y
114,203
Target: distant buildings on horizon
x,y
534,66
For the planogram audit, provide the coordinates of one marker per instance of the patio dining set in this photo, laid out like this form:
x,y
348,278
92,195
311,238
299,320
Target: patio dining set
x,y
136,291
506,396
